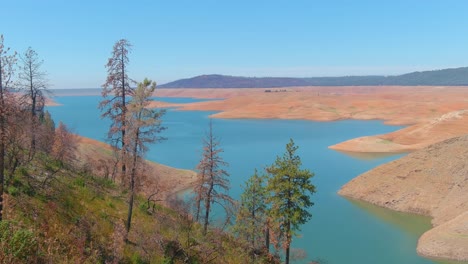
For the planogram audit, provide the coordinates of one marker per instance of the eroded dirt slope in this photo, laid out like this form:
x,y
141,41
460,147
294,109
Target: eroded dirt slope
x,y
156,177
432,181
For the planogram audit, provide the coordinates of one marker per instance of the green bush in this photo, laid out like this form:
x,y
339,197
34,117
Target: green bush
x,y
79,182
17,245
13,191
137,259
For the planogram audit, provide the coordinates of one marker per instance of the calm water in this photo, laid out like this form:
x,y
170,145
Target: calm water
x,y
340,231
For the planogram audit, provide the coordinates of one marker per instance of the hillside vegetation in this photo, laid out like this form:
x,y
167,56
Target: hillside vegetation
x,y
448,77
59,214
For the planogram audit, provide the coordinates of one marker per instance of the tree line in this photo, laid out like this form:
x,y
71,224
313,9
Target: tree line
x,y
26,129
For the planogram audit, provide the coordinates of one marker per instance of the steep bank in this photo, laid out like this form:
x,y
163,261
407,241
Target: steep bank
x,y
55,212
158,178
411,138
433,182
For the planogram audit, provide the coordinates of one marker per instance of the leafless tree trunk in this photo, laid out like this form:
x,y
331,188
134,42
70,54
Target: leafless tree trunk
x,y
33,81
7,63
119,85
212,184
64,145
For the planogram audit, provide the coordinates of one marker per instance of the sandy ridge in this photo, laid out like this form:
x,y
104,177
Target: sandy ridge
x,y
432,114
432,181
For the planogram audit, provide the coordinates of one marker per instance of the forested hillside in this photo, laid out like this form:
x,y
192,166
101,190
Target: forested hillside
x,y
448,77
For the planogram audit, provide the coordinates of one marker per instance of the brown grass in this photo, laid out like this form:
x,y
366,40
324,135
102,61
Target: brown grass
x,y
157,177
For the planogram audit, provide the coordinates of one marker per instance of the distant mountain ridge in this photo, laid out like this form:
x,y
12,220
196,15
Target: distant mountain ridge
x,y
447,77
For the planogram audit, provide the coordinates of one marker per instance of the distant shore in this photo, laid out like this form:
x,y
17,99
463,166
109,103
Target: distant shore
x,y
431,113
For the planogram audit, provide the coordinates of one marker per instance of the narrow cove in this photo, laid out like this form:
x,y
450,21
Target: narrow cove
x,y
340,231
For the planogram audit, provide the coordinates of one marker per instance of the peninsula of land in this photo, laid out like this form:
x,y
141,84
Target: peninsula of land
x,y
432,181
430,113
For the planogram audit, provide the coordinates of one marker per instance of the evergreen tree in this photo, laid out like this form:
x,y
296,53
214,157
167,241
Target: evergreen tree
x,y
251,221
144,124
290,189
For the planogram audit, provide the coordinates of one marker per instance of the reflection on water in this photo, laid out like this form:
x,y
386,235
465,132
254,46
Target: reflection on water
x,y
410,223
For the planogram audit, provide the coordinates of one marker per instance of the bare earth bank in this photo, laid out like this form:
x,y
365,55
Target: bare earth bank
x,y
432,113
433,182
156,178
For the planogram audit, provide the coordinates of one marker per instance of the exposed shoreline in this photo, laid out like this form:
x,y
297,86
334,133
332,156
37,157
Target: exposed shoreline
x,y
168,181
431,182
431,114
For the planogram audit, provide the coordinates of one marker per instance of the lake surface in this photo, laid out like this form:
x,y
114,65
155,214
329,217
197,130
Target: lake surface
x,y
341,231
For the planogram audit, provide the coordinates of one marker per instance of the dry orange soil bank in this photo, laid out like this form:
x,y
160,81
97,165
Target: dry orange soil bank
x,y
432,114
156,176
432,181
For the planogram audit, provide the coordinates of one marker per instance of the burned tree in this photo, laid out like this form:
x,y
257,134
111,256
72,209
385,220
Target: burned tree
x,y
143,127
116,92
7,64
212,184
32,80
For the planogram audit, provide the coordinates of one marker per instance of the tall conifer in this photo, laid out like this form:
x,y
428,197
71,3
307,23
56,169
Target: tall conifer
x,y
290,189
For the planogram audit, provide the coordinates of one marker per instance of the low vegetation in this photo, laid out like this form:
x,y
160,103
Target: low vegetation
x,y
58,207
80,218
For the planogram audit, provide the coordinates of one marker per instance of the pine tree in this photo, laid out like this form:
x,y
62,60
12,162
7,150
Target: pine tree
x,y
118,84
144,124
290,189
251,220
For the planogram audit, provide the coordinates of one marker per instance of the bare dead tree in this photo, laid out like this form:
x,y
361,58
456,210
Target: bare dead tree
x,y
33,82
7,64
17,143
65,145
143,127
116,92
213,184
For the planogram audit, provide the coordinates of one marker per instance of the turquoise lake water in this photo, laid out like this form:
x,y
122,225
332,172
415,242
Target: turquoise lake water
x,y
341,231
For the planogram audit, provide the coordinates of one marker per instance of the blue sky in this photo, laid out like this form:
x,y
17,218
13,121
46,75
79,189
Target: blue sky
x,y
175,39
